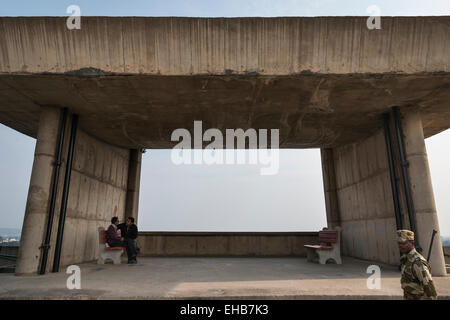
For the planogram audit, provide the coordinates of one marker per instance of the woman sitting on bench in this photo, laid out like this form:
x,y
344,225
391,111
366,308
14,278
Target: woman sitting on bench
x,y
113,234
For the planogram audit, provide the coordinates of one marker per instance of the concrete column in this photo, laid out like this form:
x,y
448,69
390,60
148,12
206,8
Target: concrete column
x,y
133,186
329,185
422,190
36,211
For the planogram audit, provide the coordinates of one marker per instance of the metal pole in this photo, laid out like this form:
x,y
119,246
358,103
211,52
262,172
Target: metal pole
x,y
51,213
65,195
393,175
431,244
406,184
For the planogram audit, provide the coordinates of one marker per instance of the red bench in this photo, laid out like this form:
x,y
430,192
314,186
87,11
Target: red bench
x,y
107,252
103,240
328,249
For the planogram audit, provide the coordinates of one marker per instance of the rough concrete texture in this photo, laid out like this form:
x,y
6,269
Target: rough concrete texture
x,y
225,243
98,184
322,81
142,111
37,206
329,187
215,278
133,184
363,195
365,200
186,46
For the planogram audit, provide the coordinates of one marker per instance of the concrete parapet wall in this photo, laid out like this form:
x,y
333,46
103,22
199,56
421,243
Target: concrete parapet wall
x,y
225,243
186,46
365,200
10,250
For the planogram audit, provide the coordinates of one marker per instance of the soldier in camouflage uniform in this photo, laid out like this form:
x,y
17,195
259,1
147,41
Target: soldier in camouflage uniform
x,y
416,280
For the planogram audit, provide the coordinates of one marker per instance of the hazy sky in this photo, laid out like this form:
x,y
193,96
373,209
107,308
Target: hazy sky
x,y
228,8
219,197
232,197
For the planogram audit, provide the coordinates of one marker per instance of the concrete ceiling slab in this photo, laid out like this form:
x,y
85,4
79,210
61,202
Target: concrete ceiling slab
x,y
309,110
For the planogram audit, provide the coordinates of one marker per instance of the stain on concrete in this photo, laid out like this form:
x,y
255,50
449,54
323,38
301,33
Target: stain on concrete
x,y
86,72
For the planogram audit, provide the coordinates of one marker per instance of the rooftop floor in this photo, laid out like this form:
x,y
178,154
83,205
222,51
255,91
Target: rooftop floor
x,y
222,278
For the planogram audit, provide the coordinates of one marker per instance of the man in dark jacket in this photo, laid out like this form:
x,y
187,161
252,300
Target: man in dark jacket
x,y
129,232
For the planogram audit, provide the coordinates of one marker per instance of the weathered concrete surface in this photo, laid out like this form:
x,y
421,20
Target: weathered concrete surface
x,y
422,189
36,211
98,185
10,250
215,278
133,184
187,46
365,200
143,111
359,196
322,81
225,243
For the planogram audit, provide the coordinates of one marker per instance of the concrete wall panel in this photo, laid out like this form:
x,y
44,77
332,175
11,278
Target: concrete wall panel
x,y
364,196
95,191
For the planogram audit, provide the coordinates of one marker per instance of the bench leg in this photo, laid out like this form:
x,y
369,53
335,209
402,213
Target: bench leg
x,y
100,260
116,258
323,259
310,255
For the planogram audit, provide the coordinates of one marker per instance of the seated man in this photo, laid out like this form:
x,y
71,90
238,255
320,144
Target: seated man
x,y
129,231
113,234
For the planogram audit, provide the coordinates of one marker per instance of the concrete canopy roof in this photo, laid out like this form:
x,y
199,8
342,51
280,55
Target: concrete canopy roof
x,y
322,81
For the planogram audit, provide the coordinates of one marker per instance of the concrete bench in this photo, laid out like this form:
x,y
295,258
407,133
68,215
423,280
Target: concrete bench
x,y
329,248
105,251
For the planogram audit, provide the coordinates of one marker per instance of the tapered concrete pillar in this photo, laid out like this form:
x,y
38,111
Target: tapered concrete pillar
x,y
422,189
329,185
36,211
133,185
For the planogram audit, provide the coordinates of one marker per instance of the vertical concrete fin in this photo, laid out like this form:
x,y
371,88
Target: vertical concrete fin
x,y
329,185
133,184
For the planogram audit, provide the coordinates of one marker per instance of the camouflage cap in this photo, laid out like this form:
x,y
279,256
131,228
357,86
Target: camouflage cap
x,y
405,235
